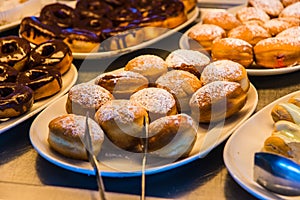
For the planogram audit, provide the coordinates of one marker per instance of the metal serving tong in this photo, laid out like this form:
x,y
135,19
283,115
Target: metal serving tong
x,y
277,173
87,141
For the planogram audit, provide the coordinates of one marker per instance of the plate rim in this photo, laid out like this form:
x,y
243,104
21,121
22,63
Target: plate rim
x,y
250,185
148,171
72,72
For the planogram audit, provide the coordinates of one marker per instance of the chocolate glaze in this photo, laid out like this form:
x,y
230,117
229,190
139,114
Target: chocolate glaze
x,y
13,50
92,8
7,73
95,25
16,96
80,34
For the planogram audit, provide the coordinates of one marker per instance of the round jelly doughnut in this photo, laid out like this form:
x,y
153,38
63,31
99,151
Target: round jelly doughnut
x,y
63,15
92,8
8,73
15,99
14,51
44,81
53,53
37,31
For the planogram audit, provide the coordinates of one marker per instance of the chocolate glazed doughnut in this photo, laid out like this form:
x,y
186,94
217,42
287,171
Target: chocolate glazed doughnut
x,y
95,25
53,53
7,73
43,81
61,14
15,99
92,9
14,51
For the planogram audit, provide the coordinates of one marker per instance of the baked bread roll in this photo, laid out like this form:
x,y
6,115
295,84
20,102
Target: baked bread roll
x,y
187,60
286,111
158,102
233,49
277,52
292,10
150,66
224,19
85,97
251,14
181,84
249,33
217,101
226,70
172,136
66,133
123,123
272,7
205,34
122,84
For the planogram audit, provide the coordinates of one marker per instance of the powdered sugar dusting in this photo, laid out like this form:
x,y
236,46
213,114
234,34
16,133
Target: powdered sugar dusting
x,y
146,62
207,31
251,13
154,100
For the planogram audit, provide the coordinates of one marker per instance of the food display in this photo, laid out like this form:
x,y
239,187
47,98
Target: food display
x,y
251,36
30,74
93,25
285,137
173,101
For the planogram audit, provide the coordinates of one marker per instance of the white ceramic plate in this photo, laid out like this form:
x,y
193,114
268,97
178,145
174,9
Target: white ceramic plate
x,y
116,165
191,18
244,143
68,81
185,44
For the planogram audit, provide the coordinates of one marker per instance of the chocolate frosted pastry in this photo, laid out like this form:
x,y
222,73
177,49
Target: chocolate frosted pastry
x,y
95,25
122,16
53,53
92,9
8,73
37,31
61,14
14,51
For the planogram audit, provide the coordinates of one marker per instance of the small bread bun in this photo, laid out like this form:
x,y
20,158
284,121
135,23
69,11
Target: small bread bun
x,y
224,19
150,66
66,133
217,101
187,60
123,123
250,14
272,7
205,34
181,84
292,10
158,102
277,52
290,32
85,97
232,49
226,70
250,33
172,136
286,111
277,25
122,84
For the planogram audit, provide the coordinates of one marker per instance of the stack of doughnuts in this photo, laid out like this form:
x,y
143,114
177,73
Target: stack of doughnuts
x,y
30,75
119,23
251,35
173,101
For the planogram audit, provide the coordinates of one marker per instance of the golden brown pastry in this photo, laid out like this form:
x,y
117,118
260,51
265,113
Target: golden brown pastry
x,y
205,34
295,100
217,101
292,10
187,60
66,133
290,32
181,84
189,5
271,7
150,66
233,49
226,70
277,52
121,83
123,123
277,25
172,136
286,111
249,33
86,97
251,14
288,2
224,19
158,102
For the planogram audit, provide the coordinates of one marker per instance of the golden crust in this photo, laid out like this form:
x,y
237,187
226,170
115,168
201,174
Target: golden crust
x,y
224,19
271,7
247,14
